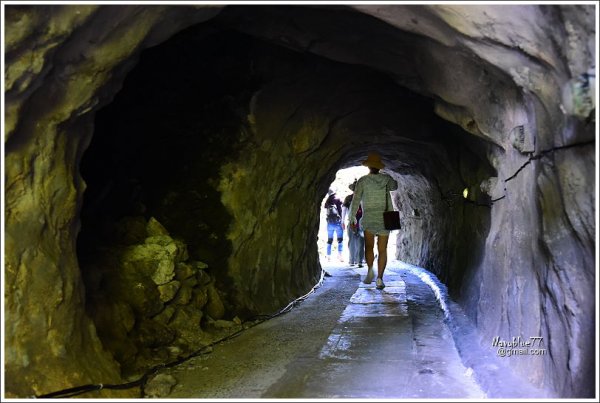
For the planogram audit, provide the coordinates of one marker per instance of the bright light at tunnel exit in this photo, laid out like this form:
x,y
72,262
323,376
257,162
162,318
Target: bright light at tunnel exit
x,y
340,185
344,178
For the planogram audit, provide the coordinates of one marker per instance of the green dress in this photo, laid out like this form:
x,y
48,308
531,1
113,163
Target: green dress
x,y
372,190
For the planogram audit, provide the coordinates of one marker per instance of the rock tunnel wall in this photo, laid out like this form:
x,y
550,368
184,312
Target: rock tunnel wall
x,y
526,99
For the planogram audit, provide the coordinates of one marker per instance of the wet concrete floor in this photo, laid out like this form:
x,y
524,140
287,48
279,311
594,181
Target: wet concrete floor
x,y
346,340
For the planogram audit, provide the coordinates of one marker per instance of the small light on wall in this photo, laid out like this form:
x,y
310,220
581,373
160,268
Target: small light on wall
x,y
466,193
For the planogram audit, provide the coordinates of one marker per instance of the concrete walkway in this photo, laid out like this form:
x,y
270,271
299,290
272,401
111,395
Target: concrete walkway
x,y
346,340
385,345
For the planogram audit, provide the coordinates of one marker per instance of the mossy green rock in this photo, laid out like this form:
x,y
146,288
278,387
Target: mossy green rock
x,y
214,308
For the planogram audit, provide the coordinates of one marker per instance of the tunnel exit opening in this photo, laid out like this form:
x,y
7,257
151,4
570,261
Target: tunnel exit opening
x,y
340,188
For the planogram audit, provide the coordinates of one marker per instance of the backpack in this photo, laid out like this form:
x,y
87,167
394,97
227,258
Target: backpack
x,y
333,216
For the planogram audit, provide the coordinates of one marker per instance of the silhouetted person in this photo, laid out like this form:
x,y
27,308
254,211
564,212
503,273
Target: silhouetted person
x,y
356,236
371,192
333,208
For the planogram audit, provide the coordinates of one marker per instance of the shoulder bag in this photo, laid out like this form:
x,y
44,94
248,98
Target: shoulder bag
x,y
391,219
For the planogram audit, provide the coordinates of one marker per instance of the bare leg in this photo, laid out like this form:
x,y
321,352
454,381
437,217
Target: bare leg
x,y
382,241
370,240
369,244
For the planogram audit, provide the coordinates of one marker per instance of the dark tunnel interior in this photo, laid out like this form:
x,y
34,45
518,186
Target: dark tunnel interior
x,y
153,167
165,173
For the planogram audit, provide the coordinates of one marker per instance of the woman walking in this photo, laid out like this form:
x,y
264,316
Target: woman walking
x,y
371,192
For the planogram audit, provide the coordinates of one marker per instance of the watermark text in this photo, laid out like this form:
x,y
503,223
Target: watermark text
x,y
533,345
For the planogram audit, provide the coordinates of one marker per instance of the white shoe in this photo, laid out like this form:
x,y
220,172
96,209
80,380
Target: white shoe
x,y
369,276
379,284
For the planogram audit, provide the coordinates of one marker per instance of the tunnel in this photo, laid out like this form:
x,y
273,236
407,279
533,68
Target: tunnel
x,y
165,167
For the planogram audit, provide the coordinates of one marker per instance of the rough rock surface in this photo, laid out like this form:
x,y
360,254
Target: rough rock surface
x,y
160,386
324,89
157,318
